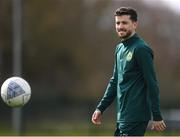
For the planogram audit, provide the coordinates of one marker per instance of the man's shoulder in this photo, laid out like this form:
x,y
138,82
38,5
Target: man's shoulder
x,y
142,45
140,41
143,49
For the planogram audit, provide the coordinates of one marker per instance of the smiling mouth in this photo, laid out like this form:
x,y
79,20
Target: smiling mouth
x,y
121,30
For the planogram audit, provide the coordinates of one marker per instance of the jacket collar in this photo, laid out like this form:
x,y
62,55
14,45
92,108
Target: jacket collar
x,y
130,40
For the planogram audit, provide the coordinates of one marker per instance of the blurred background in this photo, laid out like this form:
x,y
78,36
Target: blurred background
x,y
67,57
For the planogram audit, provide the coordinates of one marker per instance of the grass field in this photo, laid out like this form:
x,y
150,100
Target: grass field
x,y
48,128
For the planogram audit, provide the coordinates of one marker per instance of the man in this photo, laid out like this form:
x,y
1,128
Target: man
x,y
133,83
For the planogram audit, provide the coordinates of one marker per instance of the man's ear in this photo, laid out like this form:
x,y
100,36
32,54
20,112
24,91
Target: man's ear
x,y
135,24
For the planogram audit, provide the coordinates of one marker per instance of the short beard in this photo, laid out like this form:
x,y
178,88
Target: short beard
x,y
126,36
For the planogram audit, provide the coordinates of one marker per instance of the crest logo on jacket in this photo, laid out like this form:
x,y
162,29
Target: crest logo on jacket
x,y
129,56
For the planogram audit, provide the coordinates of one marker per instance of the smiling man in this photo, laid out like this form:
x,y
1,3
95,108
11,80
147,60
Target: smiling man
x,y
133,83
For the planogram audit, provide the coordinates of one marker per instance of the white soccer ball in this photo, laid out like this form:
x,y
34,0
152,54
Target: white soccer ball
x,y
15,92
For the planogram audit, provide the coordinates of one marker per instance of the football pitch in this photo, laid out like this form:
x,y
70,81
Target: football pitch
x,y
48,128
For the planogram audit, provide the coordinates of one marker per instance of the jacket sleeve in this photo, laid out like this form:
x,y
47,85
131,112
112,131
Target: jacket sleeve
x,y
144,57
110,92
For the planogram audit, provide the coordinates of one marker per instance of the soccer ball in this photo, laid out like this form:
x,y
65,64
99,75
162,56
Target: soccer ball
x,y
15,92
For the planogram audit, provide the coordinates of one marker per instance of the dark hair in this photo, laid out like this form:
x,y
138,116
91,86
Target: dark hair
x,y
126,11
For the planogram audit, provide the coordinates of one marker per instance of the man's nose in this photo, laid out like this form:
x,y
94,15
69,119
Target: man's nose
x,y
121,25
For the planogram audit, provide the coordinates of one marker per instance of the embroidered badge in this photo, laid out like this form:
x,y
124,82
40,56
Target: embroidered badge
x,y
129,56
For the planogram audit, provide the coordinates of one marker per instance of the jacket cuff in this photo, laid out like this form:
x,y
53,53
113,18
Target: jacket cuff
x,y
100,109
157,118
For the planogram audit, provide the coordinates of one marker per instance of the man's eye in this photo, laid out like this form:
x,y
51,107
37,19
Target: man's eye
x,y
124,23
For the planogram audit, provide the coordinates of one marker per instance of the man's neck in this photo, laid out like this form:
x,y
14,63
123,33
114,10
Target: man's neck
x,y
128,37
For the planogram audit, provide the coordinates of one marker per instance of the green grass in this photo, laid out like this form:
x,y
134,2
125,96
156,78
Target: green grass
x,y
76,128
